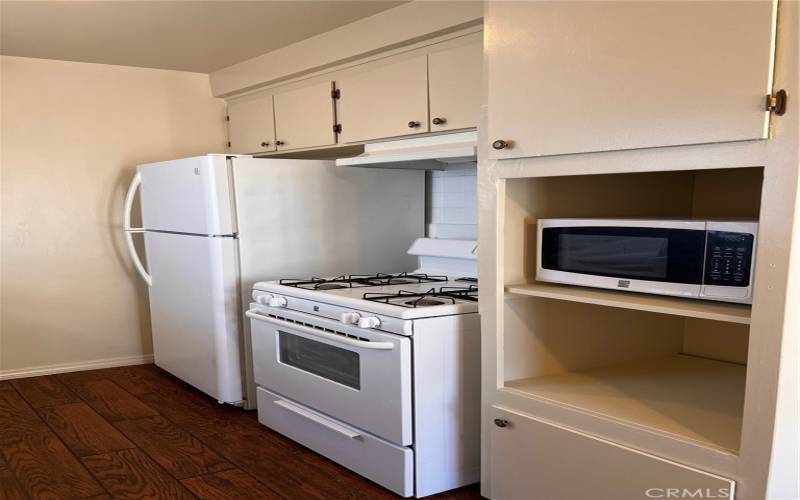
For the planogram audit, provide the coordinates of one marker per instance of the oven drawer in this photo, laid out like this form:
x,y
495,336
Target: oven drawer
x,y
356,375
387,464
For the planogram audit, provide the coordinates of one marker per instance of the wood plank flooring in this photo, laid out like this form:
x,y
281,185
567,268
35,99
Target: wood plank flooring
x,y
137,432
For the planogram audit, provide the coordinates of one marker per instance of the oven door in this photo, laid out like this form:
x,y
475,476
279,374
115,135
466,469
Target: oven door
x,y
359,376
664,257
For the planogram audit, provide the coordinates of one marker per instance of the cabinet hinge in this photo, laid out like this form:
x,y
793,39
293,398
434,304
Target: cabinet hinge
x,y
229,143
227,118
336,94
777,102
337,128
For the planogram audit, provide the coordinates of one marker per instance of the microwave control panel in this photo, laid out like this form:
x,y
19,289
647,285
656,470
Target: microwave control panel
x,y
728,258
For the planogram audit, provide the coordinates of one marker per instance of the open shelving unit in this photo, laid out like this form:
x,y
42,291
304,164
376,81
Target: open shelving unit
x,y
665,375
719,311
687,397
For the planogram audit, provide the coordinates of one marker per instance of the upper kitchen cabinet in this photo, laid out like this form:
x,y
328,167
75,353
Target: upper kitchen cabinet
x,y
574,77
251,125
454,85
304,118
387,101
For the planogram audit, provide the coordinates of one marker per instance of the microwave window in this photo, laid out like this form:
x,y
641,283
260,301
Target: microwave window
x,y
633,256
644,253
333,363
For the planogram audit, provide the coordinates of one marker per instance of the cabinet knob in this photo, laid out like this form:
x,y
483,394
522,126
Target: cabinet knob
x,y
279,143
439,121
264,144
500,144
501,422
413,124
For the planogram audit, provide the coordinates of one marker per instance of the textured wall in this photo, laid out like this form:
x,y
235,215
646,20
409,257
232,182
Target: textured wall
x,y
72,134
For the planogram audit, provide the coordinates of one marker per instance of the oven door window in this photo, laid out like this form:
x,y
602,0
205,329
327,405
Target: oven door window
x,y
653,254
333,363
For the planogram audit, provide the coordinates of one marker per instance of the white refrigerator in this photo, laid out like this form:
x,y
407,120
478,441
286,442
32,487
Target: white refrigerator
x,y
213,225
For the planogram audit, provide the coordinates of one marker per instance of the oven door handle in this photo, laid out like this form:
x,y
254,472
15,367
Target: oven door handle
x,y
364,344
339,429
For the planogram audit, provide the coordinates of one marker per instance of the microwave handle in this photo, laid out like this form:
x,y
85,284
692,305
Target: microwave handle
x,y
364,344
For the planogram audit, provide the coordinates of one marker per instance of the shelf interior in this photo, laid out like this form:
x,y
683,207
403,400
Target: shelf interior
x,y
670,365
687,397
693,308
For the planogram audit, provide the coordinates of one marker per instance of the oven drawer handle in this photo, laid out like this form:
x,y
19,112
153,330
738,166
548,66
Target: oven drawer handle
x,y
339,429
378,346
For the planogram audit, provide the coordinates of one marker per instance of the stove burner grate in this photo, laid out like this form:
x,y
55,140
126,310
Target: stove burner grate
x,y
362,280
445,295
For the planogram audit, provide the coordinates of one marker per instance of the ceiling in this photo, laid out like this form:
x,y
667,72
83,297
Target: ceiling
x,y
201,36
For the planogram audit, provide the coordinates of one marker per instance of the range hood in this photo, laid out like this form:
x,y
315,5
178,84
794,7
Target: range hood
x,y
424,153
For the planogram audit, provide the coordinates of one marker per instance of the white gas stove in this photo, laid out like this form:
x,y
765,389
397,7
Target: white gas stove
x,y
379,372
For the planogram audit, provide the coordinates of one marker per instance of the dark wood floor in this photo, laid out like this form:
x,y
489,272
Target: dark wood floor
x,y
138,432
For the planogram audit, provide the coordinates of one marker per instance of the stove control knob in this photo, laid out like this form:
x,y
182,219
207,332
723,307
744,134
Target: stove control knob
x,y
263,299
277,302
350,318
369,322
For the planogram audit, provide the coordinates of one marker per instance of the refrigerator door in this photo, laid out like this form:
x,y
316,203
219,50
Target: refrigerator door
x,y
302,218
194,311
191,195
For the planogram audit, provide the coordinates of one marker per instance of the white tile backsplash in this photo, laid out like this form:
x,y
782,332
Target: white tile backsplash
x,y
453,208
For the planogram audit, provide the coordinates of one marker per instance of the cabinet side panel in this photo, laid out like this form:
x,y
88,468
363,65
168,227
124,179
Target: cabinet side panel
x,y
447,378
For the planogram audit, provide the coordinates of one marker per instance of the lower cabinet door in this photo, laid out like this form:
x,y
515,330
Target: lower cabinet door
x,y
385,463
536,460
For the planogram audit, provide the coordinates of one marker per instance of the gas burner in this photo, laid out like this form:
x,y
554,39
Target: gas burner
x,y
333,285
470,293
423,301
445,295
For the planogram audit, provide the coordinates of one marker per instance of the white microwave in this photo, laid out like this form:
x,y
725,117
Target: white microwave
x,y
702,259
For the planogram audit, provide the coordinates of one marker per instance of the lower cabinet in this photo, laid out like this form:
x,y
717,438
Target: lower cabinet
x,y
537,460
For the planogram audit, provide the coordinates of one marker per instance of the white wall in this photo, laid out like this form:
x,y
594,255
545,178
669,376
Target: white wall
x,y
72,134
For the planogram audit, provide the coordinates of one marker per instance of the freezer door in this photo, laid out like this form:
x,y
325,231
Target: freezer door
x,y
194,311
191,195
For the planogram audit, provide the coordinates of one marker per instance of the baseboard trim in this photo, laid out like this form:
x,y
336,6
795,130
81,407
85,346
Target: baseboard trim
x,y
75,367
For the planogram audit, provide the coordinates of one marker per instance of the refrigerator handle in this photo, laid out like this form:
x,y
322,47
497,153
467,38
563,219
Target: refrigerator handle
x,y
128,230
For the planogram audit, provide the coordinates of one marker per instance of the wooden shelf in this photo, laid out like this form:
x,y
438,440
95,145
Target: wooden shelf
x,y
685,397
718,311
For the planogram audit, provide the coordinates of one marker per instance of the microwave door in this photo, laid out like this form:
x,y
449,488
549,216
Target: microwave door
x,y
615,256
646,259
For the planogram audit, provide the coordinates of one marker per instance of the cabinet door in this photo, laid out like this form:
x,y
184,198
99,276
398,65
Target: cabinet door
x,y
304,117
454,86
572,77
388,101
251,126
531,458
